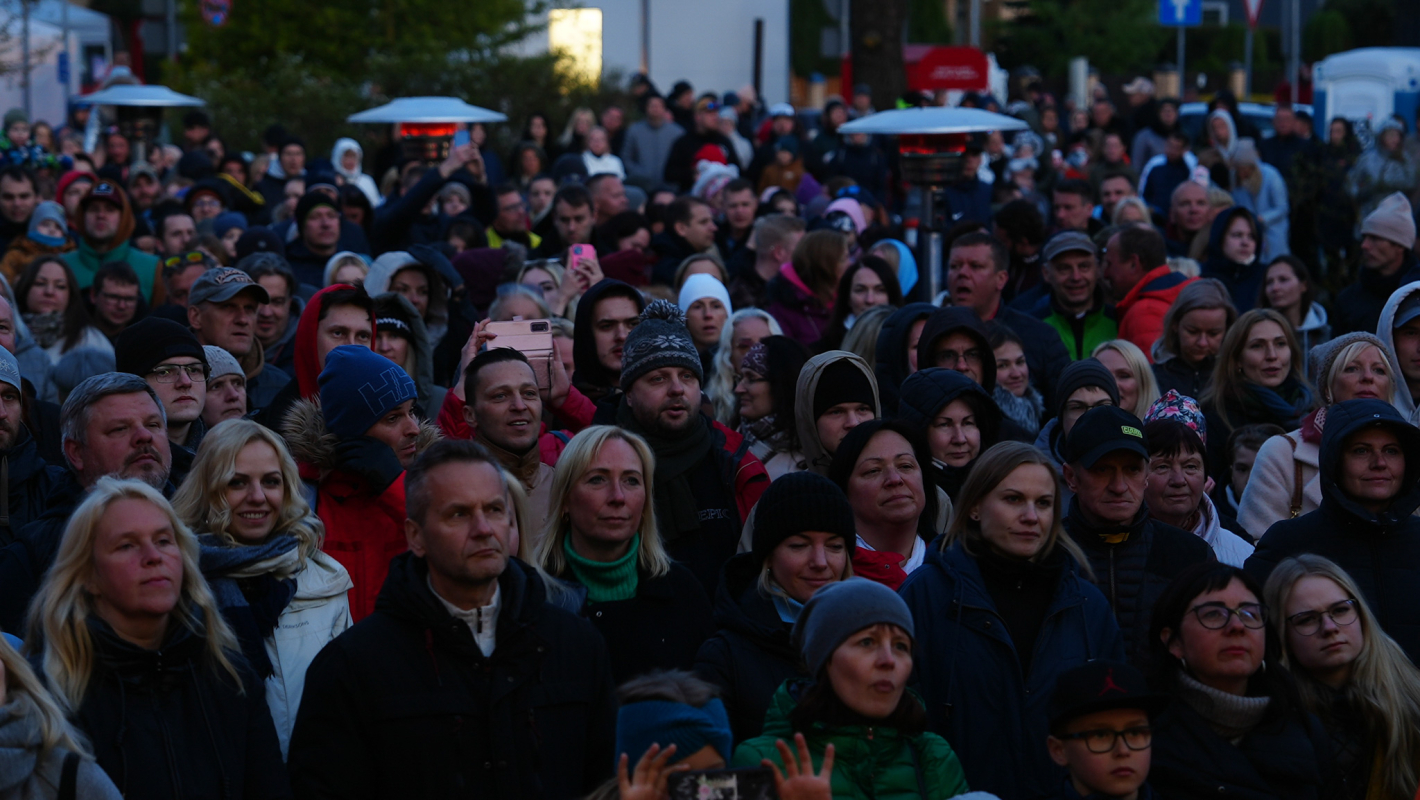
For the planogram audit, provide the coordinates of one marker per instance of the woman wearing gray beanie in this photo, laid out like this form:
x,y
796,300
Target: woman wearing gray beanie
x,y
855,637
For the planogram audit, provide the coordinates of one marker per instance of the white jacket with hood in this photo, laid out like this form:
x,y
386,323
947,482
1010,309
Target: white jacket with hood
x,y
319,612
356,177
436,318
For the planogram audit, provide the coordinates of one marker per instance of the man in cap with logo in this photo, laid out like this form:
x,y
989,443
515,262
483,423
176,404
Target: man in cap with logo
x,y
221,310
1077,309
1095,704
105,222
1134,557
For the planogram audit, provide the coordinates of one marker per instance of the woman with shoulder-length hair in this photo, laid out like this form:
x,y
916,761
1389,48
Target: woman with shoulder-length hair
x,y
282,596
602,544
1236,726
39,749
49,300
1002,609
869,283
1138,388
801,296
133,646
1258,378
1353,676
1193,331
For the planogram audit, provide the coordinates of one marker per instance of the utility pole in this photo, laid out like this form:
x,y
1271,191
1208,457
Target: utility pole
x,y
976,23
646,38
25,50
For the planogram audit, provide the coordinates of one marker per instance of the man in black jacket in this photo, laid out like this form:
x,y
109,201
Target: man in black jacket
x,y
29,480
1370,488
465,682
1133,556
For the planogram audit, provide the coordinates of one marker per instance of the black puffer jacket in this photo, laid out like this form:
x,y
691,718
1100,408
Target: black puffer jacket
x,y
1132,573
926,393
1381,552
1186,379
28,482
168,724
660,628
890,364
1286,757
406,705
752,653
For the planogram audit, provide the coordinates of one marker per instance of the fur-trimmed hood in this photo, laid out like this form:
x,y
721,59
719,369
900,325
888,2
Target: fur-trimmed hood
x,y
313,445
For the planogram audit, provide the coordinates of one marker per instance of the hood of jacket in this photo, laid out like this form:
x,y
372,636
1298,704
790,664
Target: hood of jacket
x,y
809,443
1216,259
1345,419
926,392
436,319
337,155
392,305
19,749
322,580
1386,333
740,607
126,224
406,596
587,368
306,363
951,320
1232,145
890,360
312,443
336,259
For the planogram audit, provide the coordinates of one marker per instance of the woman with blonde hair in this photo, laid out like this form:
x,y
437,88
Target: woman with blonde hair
x,y
39,750
135,650
1353,676
1257,379
1138,389
601,543
574,136
261,554
1005,559
746,328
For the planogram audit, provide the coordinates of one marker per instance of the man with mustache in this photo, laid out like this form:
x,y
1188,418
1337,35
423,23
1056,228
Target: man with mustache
x,y
113,424
170,359
706,480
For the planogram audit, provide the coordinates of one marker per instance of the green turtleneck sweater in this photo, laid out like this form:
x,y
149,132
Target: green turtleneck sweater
x,y
605,580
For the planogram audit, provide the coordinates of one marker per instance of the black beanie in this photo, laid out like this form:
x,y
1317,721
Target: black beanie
x,y
800,502
151,341
843,382
309,202
1082,373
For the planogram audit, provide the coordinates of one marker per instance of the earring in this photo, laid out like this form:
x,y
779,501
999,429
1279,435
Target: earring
x,y
1184,662
1264,666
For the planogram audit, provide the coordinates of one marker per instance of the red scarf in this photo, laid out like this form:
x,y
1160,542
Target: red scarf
x,y
880,566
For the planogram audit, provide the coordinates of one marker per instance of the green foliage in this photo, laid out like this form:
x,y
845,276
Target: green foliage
x,y
1345,24
1325,33
807,19
1119,36
1213,49
309,66
927,22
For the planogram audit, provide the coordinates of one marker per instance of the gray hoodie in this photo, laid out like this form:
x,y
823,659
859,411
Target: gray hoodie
x,y
1404,402
436,319
24,776
807,387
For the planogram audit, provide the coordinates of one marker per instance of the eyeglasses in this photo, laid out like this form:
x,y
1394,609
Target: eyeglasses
x,y
190,257
206,202
948,358
1215,616
1308,623
1104,740
118,299
1076,407
167,373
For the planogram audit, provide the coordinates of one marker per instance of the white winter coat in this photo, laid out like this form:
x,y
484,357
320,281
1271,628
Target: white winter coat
x,y
1227,546
1267,498
317,614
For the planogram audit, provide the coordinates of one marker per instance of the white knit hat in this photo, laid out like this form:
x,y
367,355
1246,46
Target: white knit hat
x,y
1393,221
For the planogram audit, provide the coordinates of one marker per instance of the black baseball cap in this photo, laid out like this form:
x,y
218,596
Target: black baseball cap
x,y
1101,686
1101,431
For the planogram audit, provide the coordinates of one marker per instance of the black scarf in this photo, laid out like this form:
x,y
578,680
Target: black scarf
x,y
675,503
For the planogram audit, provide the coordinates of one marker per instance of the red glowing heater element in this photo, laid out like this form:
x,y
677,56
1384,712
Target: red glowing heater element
x,y
429,129
931,144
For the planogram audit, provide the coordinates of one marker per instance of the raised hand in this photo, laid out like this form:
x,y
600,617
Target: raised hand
x,y
798,781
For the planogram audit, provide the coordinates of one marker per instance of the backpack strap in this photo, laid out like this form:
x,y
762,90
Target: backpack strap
x,y
1296,506
69,777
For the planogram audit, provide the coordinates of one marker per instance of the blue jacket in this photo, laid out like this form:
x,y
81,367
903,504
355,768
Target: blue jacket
x,y
995,718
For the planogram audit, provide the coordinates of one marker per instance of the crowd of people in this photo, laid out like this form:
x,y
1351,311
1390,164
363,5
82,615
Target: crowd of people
x,y
282,517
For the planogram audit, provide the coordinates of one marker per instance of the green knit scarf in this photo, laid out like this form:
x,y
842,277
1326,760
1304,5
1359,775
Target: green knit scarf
x,y
605,580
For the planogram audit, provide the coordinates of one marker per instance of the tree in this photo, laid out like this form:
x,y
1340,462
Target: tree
x,y
877,27
1118,36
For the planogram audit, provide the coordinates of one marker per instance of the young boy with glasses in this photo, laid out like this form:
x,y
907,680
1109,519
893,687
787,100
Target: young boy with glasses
x,y
1100,716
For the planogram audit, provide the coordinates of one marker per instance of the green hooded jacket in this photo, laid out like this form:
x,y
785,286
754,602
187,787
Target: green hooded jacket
x,y
868,763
